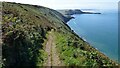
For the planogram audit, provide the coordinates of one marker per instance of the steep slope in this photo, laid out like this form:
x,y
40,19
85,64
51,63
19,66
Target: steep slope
x,y
24,30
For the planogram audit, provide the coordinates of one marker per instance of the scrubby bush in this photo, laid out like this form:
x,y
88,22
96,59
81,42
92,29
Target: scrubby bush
x,y
21,45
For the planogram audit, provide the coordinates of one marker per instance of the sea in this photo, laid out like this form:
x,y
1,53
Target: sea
x,y
99,30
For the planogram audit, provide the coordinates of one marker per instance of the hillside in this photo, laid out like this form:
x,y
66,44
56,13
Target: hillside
x,y
75,11
30,32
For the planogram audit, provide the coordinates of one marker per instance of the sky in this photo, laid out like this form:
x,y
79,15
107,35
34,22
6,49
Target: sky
x,y
72,4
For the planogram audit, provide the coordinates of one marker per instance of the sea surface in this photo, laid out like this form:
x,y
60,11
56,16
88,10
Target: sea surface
x,y
100,30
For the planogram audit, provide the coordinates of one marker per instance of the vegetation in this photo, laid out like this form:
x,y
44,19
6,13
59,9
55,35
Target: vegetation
x,y
75,52
24,30
21,41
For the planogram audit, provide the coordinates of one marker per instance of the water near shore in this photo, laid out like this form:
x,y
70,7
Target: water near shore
x,y
100,30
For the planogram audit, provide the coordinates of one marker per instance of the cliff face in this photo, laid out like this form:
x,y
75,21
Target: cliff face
x,y
70,12
24,33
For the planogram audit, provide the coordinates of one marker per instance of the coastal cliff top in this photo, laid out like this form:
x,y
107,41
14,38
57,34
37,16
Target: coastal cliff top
x,y
30,31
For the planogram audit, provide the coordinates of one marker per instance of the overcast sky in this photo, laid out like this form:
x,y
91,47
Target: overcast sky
x,y
70,4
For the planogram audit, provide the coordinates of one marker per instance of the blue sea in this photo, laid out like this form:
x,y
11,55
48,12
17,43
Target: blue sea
x,y
100,30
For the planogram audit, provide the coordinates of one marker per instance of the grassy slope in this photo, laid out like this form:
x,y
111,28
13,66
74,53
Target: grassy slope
x,y
24,31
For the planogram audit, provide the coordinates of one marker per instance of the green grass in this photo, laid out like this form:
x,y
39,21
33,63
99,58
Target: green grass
x,y
73,54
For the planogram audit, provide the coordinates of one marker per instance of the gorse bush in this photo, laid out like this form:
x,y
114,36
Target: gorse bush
x,y
21,45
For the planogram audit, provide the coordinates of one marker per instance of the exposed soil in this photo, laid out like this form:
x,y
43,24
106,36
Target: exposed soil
x,y
53,57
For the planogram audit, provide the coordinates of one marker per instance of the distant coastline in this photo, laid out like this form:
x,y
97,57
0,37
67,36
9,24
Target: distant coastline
x,y
75,11
68,12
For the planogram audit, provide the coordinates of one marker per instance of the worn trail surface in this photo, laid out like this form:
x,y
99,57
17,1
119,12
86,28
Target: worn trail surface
x,y
53,57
